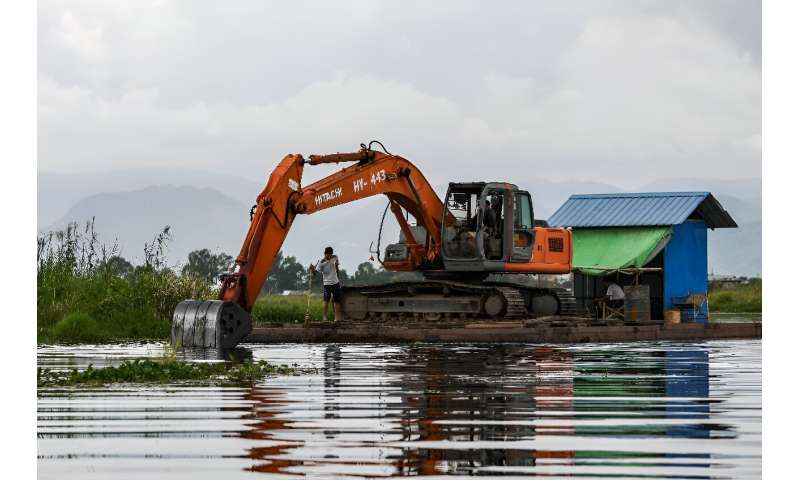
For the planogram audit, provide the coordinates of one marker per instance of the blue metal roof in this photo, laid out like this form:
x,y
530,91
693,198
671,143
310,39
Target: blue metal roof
x,y
640,209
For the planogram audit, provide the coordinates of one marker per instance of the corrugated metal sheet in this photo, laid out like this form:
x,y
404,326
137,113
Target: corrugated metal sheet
x,y
640,209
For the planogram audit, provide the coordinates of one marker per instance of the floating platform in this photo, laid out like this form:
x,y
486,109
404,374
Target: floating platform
x,y
551,330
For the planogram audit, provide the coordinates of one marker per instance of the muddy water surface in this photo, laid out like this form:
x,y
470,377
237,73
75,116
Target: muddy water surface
x,y
644,410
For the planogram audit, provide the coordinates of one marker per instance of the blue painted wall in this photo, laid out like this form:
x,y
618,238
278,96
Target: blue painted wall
x,y
686,264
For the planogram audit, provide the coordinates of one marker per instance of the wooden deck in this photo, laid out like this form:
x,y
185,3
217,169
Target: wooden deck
x,y
553,330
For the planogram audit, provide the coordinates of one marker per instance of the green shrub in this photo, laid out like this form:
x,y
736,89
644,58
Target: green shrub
x,y
78,327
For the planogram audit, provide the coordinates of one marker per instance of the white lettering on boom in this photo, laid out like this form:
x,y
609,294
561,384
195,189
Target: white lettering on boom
x,y
358,185
328,196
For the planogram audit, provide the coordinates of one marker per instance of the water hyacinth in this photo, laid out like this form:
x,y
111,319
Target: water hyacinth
x,y
164,370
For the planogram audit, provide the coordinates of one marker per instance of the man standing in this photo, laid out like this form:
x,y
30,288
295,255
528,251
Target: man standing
x,y
331,288
615,296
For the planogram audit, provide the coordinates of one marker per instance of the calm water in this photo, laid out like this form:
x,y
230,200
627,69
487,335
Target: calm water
x,y
643,410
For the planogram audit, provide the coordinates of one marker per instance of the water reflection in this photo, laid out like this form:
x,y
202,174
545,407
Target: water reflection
x,y
642,410
237,354
433,410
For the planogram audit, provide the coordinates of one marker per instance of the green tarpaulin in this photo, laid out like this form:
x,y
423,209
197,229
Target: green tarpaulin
x,y
596,251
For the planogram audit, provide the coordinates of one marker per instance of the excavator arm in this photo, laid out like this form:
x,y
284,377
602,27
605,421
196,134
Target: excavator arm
x,y
224,322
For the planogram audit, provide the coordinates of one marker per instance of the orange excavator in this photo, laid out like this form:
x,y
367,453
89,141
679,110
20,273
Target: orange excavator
x,y
462,247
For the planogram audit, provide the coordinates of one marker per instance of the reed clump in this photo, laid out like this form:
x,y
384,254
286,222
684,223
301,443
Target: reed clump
x,y
87,293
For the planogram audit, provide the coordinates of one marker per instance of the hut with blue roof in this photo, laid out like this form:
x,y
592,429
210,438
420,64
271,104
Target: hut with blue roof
x,y
658,239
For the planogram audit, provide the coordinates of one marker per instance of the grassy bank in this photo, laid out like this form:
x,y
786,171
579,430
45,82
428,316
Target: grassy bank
x,y
287,309
84,295
740,299
88,294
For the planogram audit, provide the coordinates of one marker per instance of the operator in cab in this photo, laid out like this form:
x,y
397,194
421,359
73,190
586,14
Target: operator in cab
x,y
489,216
331,288
492,223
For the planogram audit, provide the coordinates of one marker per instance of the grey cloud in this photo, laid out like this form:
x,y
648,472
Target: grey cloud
x,y
621,92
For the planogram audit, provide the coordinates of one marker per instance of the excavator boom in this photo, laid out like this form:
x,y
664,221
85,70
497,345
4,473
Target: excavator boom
x,y
283,198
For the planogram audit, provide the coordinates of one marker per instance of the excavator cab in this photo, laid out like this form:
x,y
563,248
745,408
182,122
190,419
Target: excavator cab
x,y
486,227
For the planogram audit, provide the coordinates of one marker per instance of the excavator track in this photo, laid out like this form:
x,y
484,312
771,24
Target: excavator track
x,y
566,301
515,303
443,299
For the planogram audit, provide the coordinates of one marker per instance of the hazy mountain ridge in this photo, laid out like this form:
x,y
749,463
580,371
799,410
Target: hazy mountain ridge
x,y
58,192
198,218
746,189
211,212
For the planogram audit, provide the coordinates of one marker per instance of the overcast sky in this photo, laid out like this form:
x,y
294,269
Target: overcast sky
x,y
615,91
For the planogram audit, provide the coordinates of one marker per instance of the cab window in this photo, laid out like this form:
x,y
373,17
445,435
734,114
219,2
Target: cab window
x,y
523,213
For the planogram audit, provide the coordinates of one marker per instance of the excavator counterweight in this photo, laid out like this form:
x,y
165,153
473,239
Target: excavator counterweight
x,y
481,229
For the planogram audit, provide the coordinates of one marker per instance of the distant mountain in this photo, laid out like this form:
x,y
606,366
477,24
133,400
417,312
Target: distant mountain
x,y
735,251
746,189
549,195
57,192
198,217
743,211
209,210
206,218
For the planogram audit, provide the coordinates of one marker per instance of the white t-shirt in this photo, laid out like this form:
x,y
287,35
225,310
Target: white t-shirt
x,y
328,269
615,292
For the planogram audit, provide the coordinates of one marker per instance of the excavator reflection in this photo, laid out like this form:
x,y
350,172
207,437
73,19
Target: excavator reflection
x,y
431,409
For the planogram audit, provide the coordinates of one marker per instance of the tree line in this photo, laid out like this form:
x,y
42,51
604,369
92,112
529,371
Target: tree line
x,y
287,272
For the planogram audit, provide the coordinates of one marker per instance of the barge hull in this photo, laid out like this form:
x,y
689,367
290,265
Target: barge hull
x,y
510,332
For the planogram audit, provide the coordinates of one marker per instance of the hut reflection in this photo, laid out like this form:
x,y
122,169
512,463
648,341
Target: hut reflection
x,y
484,395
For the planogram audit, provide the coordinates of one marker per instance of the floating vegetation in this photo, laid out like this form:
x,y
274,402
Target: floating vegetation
x,y
165,370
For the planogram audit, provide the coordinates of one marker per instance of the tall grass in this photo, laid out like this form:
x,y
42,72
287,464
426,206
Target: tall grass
x,y
80,297
739,299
